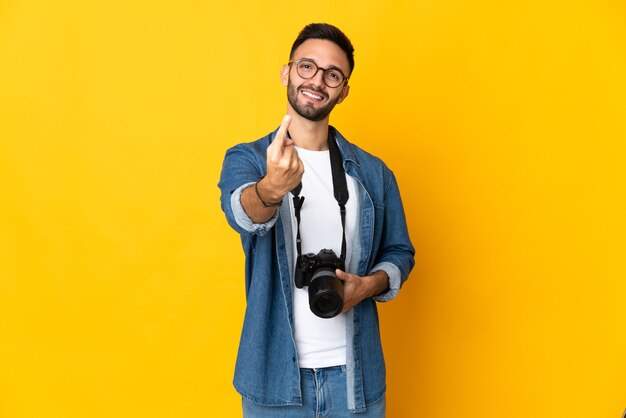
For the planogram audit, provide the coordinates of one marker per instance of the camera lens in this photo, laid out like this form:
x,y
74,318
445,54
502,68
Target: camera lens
x,y
326,303
326,294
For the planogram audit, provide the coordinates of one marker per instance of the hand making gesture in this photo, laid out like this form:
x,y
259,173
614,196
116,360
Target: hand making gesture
x,y
284,172
284,168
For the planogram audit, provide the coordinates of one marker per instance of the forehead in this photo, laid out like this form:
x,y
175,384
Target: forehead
x,y
325,54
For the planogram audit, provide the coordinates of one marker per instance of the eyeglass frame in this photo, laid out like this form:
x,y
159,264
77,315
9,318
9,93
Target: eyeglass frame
x,y
345,79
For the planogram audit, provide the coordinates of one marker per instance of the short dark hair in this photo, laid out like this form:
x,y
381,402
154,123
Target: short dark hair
x,y
326,32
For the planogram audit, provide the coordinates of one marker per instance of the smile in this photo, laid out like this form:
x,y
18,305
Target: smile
x,y
312,95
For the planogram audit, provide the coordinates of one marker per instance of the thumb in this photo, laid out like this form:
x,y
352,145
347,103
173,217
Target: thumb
x,y
343,275
281,134
275,149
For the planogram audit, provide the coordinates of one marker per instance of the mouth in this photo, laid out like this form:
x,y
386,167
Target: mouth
x,y
313,95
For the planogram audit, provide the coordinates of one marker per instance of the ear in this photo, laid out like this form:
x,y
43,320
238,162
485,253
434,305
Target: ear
x,y
284,75
344,93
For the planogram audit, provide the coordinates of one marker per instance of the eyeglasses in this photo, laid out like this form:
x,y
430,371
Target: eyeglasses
x,y
307,69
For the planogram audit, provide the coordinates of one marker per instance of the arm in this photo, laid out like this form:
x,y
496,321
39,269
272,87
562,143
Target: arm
x,y
284,172
396,253
358,288
253,200
394,259
239,182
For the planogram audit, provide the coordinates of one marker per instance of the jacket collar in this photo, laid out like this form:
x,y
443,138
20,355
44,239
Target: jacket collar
x,y
346,148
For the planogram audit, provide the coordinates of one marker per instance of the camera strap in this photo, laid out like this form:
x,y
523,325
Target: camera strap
x,y
340,189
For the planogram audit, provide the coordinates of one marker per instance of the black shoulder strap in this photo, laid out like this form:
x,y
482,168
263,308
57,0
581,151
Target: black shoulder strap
x,y
340,186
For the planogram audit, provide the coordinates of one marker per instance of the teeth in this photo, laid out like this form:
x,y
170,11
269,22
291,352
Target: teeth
x,y
311,95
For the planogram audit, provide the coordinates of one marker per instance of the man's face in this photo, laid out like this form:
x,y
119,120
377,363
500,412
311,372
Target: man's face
x,y
311,98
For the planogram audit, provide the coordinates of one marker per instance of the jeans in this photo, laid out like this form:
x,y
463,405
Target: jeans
x,y
323,395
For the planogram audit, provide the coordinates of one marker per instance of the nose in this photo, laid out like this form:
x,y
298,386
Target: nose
x,y
318,78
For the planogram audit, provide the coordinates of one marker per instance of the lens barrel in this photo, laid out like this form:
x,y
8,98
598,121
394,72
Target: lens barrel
x,y
326,293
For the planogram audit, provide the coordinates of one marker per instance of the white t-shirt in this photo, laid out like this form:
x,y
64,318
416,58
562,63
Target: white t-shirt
x,y
320,342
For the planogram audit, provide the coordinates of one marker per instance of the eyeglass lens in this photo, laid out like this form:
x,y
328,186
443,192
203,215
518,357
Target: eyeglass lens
x,y
308,69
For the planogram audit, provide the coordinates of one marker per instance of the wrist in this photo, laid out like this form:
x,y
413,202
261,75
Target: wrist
x,y
268,197
379,283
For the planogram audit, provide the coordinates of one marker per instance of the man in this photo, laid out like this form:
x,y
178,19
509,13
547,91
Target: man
x,y
295,359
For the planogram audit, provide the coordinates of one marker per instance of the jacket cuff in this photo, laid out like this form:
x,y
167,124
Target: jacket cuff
x,y
394,280
242,218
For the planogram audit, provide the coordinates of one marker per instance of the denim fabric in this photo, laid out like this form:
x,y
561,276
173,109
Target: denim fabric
x,y
267,370
323,395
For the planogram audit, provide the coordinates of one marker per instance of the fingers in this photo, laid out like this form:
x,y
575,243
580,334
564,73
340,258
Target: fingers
x,y
352,291
344,276
288,151
284,126
284,168
280,140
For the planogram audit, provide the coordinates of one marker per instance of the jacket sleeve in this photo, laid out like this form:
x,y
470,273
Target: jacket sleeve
x,y
396,253
241,169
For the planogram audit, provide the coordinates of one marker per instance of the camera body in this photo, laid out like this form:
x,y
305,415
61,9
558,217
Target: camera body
x,y
317,271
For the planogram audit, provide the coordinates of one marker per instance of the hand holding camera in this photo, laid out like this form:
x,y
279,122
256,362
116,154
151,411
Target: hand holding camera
x,y
357,288
317,271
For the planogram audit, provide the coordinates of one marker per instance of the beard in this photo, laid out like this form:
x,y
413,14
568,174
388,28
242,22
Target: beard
x,y
308,110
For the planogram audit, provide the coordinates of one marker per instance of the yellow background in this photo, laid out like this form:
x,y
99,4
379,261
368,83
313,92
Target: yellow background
x,y
121,285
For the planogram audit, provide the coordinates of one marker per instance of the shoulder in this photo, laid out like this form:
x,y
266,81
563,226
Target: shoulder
x,y
367,161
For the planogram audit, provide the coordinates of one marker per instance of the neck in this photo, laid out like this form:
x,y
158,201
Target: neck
x,y
307,134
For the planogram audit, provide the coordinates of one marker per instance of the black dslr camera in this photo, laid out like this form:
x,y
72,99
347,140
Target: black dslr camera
x,y
325,289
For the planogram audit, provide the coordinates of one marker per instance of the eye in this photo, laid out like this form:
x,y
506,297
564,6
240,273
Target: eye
x,y
306,65
333,75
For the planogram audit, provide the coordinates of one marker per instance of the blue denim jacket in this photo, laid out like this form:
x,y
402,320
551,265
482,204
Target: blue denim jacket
x,y
267,369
